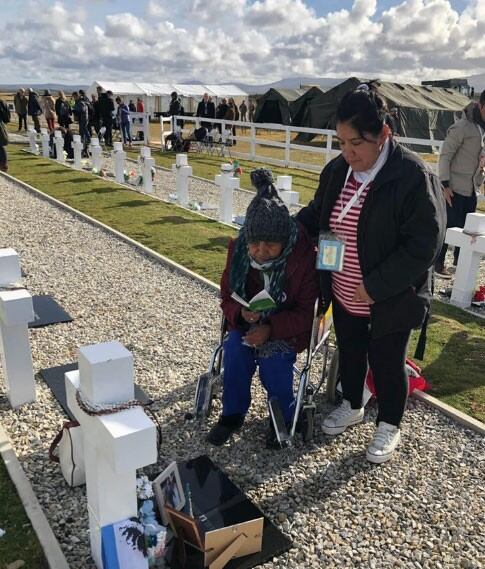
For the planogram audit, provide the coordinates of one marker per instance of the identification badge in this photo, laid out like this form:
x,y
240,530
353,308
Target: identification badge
x,y
330,256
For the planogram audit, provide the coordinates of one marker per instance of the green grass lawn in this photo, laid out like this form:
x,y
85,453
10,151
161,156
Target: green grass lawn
x,y
454,362
20,541
198,243
455,358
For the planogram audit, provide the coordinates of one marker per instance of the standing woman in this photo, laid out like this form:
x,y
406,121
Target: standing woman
x,y
49,107
379,215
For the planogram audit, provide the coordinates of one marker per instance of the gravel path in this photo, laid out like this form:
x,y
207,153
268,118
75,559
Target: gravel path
x,y
423,509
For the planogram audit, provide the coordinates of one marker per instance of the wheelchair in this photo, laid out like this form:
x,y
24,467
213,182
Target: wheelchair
x,y
210,382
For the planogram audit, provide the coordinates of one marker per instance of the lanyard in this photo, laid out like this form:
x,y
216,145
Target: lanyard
x,y
357,194
372,174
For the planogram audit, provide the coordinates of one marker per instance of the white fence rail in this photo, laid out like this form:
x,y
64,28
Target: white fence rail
x,y
288,145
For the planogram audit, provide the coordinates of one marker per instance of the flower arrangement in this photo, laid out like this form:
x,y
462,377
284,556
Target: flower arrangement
x,y
236,168
144,488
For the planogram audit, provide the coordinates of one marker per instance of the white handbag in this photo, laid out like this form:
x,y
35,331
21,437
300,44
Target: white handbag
x,y
67,450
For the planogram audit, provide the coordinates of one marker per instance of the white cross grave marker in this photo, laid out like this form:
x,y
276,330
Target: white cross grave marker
x,y
228,184
77,146
471,241
59,142
16,311
147,163
33,141
45,137
115,445
119,156
182,172
283,185
96,155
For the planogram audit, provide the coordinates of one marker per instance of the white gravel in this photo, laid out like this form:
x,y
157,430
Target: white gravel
x,y
424,509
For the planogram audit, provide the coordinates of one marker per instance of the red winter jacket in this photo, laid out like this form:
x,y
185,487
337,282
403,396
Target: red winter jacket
x,y
293,321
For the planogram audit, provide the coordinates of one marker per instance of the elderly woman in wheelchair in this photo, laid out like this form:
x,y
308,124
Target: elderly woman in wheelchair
x,y
272,258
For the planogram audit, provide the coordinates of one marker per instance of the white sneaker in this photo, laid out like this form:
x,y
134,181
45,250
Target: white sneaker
x,y
386,438
341,418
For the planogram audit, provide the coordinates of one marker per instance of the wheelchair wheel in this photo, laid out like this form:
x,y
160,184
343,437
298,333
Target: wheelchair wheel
x,y
333,378
308,424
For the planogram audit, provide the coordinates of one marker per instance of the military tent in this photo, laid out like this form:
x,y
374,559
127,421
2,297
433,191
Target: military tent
x,y
274,106
424,112
298,108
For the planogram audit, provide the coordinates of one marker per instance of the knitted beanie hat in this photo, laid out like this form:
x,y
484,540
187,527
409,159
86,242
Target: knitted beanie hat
x,y
267,217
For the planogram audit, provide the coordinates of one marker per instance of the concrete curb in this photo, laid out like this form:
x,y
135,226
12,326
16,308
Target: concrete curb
x,y
458,416
50,545
451,412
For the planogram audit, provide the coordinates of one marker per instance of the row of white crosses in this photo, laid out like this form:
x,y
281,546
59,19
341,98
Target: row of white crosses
x,y
227,183
115,445
471,240
16,311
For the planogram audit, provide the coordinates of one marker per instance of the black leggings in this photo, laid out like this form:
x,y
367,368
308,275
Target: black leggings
x,y
386,357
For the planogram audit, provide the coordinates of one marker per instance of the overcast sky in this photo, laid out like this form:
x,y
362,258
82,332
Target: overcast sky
x,y
250,41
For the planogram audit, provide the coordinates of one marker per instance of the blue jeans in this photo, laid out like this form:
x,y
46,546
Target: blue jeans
x,y
84,132
126,132
276,373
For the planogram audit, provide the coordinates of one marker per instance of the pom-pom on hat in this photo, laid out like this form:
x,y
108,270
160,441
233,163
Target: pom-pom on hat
x,y
267,217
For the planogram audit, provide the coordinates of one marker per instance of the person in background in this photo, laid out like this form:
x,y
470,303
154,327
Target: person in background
x,y
81,114
243,109
124,119
234,112
132,106
34,109
206,109
251,110
49,108
175,108
379,216
21,103
106,108
96,121
87,102
4,119
140,107
274,253
221,111
63,110
462,172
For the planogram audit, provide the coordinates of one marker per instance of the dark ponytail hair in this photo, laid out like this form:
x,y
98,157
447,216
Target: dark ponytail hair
x,y
363,109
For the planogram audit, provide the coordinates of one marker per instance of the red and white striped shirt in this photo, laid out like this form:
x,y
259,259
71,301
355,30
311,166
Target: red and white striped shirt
x,y
345,282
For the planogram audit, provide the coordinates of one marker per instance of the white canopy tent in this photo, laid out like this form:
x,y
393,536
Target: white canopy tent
x,y
156,96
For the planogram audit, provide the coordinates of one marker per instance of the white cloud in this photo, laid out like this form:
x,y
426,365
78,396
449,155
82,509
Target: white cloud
x,y
243,40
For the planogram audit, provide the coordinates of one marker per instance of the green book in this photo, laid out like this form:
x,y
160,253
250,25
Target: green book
x,y
259,303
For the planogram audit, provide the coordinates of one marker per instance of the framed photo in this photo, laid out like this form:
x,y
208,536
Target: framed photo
x,y
169,491
185,527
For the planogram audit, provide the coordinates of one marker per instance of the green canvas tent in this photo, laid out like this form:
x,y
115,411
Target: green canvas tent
x,y
274,106
298,108
424,112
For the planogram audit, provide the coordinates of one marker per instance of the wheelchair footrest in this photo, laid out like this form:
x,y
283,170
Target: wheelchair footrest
x,y
279,424
203,394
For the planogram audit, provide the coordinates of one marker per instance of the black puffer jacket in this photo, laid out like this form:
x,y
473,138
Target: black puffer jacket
x,y
400,233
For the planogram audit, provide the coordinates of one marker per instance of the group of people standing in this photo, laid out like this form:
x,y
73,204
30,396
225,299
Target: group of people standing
x,y
91,114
